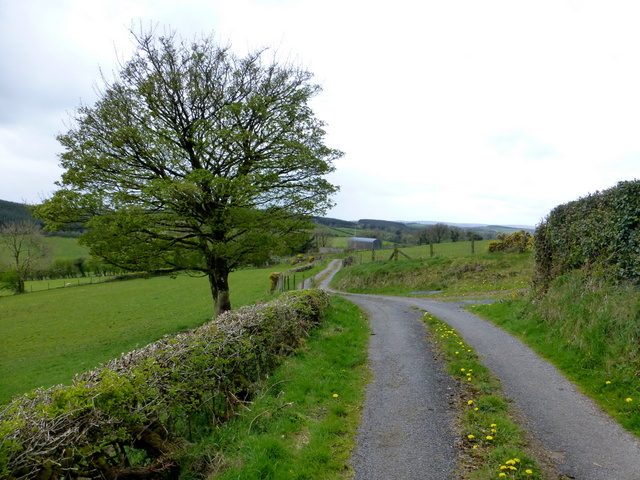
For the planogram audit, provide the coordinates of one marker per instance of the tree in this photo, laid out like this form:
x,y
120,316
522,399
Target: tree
x,y
433,233
24,243
194,159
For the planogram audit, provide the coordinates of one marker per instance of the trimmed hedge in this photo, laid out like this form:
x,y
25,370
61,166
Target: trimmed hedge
x,y
600,231
132,417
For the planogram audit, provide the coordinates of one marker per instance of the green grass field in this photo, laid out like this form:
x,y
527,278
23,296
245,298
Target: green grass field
x,y
51,335
452,272
66,248
62,248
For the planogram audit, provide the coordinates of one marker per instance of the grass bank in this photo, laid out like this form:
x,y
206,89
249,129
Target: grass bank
x,y
51,335
589,329
303,423
466,275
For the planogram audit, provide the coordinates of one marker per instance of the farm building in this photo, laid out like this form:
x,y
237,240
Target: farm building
x,y
360,243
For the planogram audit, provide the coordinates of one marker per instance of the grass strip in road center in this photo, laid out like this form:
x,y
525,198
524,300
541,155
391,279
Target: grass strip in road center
x,y
492,446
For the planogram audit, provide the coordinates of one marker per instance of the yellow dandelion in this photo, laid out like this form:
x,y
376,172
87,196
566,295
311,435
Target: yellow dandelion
x,y
489,437
528,471
471,437
470,402
629,399
335,395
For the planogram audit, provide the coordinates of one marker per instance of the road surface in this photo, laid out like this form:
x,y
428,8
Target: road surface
x,y
406,430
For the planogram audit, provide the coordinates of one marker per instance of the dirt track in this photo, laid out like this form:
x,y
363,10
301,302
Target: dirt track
x,y
406,427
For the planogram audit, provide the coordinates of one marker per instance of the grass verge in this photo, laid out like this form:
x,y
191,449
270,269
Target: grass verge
x,y
303,424
467,276
492,445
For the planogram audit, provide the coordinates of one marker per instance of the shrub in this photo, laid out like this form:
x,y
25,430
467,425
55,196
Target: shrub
x,y
601,229
520,241
10,280
131,417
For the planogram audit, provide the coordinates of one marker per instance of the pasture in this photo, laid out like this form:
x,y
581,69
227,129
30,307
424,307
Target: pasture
x,y
49,336
445,249
66,248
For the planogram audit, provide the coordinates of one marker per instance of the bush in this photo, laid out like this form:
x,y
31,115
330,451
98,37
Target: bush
x,y
10,280
602,229
132,416
520,241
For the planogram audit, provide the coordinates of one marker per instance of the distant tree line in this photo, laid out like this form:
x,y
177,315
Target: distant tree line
x,y
400,233
15,212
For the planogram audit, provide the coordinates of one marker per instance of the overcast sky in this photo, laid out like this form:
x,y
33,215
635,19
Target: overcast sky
x,y
454,111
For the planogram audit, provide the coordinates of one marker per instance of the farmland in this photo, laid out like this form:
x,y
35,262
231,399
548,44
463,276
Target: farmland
x,y
49,336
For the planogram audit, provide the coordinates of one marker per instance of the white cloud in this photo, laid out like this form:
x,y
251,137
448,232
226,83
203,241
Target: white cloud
x,y
464,111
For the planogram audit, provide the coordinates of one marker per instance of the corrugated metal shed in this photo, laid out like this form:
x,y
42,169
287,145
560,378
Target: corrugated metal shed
x,y
361,243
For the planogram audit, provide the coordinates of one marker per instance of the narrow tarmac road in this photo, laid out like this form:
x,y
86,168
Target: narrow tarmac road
x,y
406,426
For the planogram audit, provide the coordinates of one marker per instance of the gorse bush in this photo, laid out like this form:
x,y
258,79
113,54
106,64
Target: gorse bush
x,y
132,417
600,231
520,241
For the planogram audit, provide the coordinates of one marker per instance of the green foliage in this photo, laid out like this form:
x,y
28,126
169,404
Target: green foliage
x,y
600,231
145,403
10,280
194,159
520,241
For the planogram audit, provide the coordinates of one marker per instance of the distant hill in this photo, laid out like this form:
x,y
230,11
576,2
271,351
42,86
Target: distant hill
x,y
475,225
15,212
372,224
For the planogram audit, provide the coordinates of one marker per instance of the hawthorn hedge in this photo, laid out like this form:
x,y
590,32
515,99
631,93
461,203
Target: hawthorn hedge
x,y
132,417
600,232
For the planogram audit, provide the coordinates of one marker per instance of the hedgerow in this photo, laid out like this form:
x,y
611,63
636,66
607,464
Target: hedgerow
x,y
132,417
600,232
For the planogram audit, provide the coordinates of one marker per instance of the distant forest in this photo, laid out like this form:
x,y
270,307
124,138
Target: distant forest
x,y
15,212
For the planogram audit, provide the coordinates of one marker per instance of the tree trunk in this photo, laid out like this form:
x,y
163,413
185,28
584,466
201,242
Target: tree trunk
x,y
222,302
219,283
